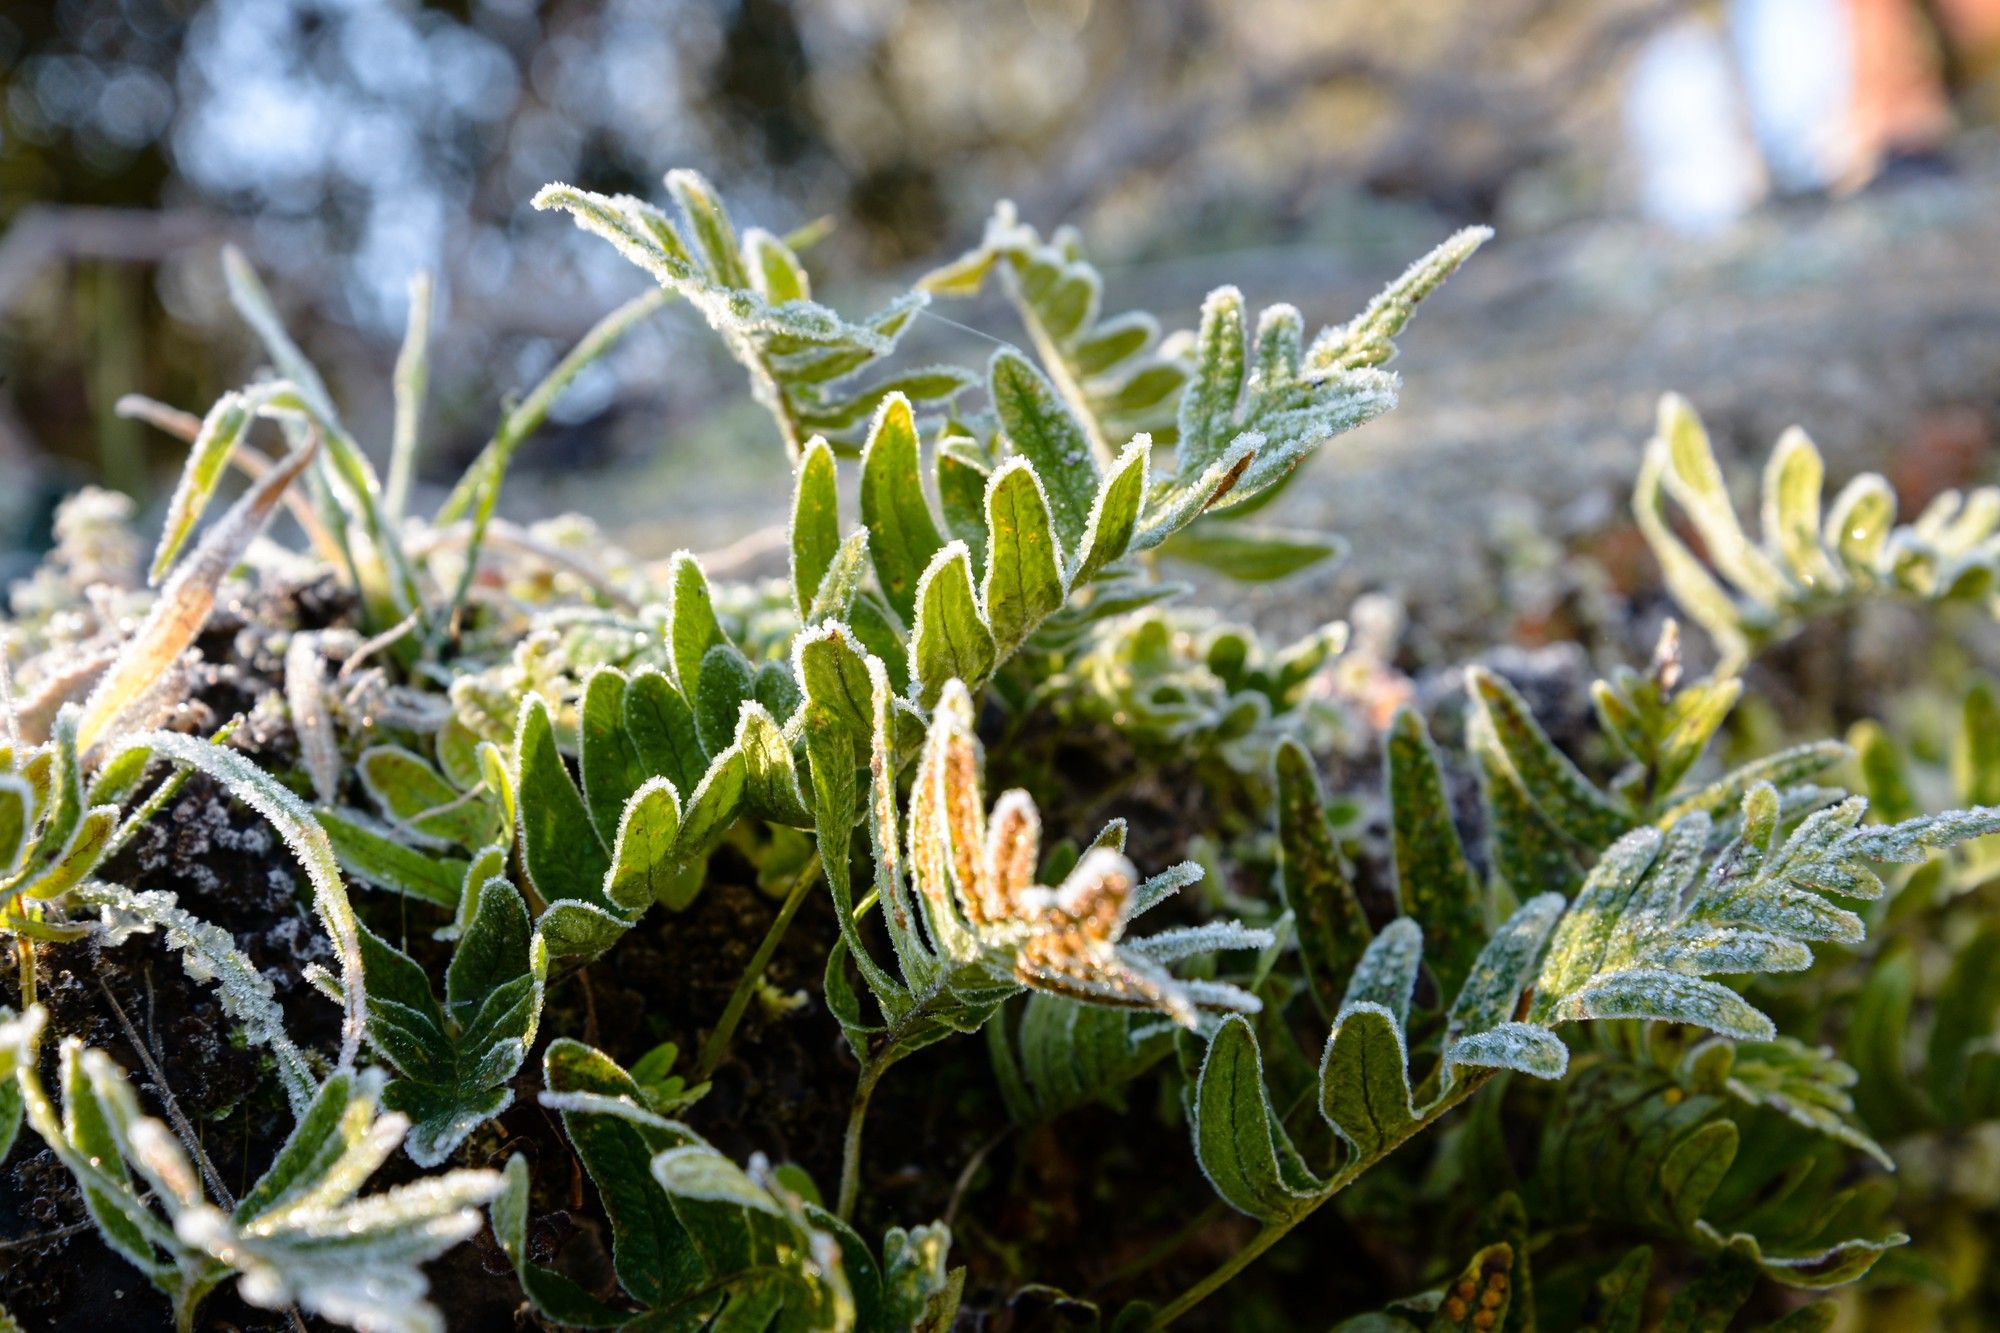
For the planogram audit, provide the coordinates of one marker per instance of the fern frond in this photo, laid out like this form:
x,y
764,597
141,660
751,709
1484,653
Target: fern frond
x,y
1750,592
753,291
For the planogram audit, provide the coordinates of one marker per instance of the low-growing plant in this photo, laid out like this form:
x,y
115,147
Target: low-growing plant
x,y
1568,1009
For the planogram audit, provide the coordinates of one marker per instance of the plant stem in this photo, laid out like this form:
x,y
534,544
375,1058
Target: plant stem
x,y
850,1153
1267,1236
24,954
1273,1232
1201,1221
717,1044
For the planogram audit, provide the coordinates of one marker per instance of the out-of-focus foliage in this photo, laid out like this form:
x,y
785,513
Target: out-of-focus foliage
x,y
1747,593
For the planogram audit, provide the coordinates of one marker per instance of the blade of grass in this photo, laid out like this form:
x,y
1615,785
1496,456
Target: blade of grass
x,y
478,491
413,373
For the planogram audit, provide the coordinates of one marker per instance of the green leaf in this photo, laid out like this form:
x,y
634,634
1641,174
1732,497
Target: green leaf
x,y
692,629
17,808
771,780
1023,584
416,797
645,865
709,222
1251,554
1434,883
1208,405
726,684
387,864
902,534
608,760
815,534
1242,1149
707,815
1332,930
1493,985
1114,514
208,459
1710,1302
1367,339
615,1137
456,1061
1570,800
661,729
554,1296
1792,481
1621,1293
1364,1082
1975,760
776,690
951,641
1387,971
1965,1018
962,472
1040,428
840,594
560,849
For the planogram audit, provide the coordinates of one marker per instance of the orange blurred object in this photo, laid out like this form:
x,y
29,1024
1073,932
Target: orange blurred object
x,y
1905,55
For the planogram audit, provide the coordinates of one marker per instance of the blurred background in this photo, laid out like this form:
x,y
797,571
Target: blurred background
x,y
1786,209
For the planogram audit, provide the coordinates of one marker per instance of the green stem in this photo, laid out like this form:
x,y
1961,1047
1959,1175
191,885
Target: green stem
x,y
1267,1236
717,1044
1057,367
1201,1222
1273,1232
850,1153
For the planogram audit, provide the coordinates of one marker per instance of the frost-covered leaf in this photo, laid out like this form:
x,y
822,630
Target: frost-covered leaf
x,y
373,855
419,800
1434,883
1805,1084
301,1234
183,604
1023,584
1549,779
560,850
1332,930
902,533
697,1238
1041,429
815,525
1748,592
307,841
455,1059
1242,1148
209,953
802,358
1062,1054
1650,925
950,640
1364,1081
208,459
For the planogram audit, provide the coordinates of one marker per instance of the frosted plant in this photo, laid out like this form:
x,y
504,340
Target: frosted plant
x,y
1748,592
968,922
745,1248
752,289
302,1232
455,1060
1662,910
501,746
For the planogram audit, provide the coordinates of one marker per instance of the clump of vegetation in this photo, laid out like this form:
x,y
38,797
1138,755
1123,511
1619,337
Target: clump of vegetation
x,y
630,925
